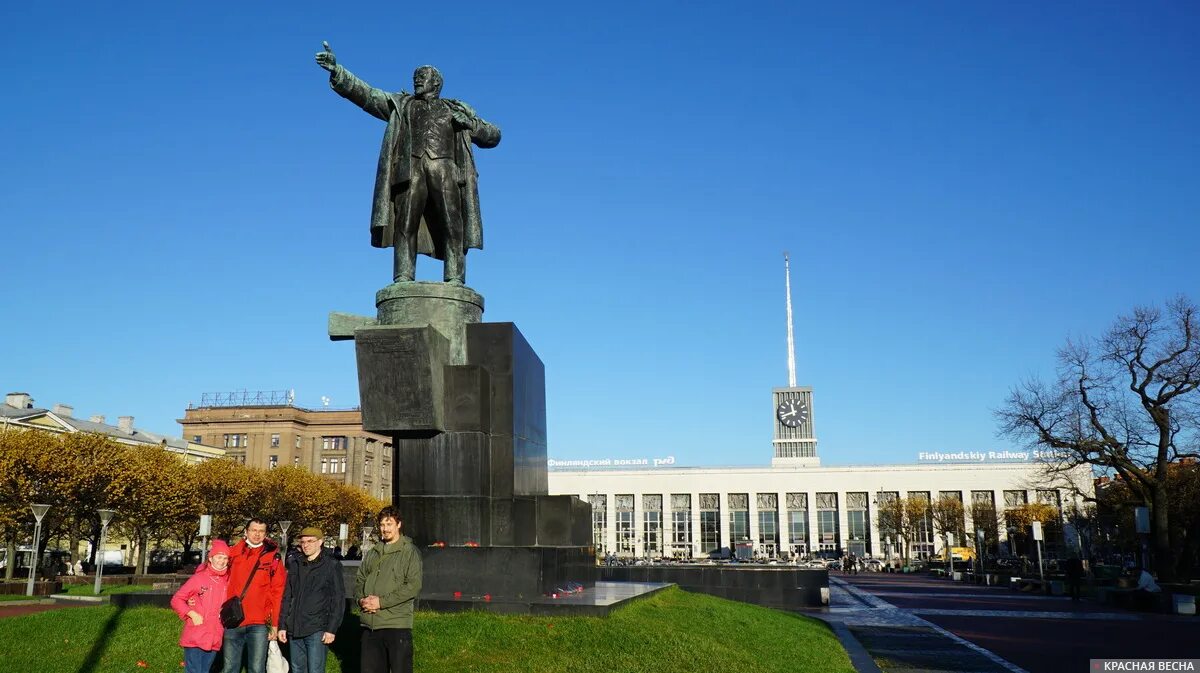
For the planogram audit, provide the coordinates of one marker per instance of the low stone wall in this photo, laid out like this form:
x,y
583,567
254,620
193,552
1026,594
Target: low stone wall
x,y
40,588
780,587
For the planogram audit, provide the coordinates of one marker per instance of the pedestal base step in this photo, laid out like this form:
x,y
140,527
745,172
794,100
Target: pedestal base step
x,y
598,601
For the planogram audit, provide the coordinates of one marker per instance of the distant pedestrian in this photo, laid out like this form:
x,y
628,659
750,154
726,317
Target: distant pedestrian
x,y
1074,575
198,603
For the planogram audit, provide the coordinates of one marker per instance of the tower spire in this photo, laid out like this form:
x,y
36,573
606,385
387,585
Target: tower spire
x,y
791,344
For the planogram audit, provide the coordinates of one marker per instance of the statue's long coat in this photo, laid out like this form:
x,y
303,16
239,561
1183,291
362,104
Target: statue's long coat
x,y
395,161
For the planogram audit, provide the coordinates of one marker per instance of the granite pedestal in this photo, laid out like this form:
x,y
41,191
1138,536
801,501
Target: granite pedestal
x,y
469,455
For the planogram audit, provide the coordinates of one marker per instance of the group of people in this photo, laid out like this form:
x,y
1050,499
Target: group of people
x,y
298,600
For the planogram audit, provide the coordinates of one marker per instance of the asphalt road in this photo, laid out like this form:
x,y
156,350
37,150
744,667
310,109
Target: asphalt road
x,y
896,617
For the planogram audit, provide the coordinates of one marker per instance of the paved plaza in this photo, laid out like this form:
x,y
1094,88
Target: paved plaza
x,y
921,623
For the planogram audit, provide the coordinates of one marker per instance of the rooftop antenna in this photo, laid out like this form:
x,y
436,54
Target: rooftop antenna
x,y
791,345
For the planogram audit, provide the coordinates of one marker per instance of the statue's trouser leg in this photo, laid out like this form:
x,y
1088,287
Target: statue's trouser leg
x,y
445,201
408,206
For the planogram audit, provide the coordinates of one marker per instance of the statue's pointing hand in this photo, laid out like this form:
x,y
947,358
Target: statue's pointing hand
x,y
325,58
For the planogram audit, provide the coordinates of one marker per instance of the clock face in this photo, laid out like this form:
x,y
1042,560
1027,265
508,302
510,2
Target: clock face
x,y
792,412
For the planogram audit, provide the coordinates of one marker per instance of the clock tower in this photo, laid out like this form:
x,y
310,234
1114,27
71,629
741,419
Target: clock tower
x,y
794,442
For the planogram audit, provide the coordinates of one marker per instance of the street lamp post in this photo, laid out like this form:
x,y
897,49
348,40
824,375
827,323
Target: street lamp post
x,y
366,537
950,552
106,516
283,527
977,563
39,511
205,529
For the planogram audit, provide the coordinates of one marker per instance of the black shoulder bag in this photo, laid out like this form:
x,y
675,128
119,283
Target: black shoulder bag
x,y
231,610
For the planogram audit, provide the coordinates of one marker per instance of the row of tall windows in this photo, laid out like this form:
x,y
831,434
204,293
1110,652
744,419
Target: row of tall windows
x,y
625,541
896,518
333,465
652,524
681,524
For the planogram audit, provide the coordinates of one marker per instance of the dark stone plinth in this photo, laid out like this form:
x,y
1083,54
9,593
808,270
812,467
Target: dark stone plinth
x,y
462,520
401,379
490,434
451,463
510,573
780,587
518,399
468,395
469,467
513,572
544,520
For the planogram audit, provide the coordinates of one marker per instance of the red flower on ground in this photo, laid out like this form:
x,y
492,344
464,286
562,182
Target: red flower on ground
x,y
142,664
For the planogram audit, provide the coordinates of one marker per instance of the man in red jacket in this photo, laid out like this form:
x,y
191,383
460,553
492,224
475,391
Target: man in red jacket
x,y
264,592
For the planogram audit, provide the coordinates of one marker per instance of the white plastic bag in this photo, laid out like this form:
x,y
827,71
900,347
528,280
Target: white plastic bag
x,y
275,661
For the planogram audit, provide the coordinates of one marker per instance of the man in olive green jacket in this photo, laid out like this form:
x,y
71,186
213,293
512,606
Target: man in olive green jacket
x,y
386,587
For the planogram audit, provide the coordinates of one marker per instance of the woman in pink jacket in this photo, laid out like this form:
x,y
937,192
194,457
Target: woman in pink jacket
x,y
198,603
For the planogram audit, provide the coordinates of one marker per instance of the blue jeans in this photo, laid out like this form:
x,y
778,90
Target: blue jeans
x,y
196,660
253,639
307,654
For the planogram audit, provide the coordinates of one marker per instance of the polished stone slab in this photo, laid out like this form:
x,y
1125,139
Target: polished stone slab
x,y
598,601
780,587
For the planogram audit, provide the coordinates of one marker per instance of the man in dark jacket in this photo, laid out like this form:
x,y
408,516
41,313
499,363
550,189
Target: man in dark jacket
x,y
387,586
314,599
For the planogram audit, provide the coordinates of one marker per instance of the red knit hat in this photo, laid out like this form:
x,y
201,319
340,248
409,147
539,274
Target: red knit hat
x,y
218,547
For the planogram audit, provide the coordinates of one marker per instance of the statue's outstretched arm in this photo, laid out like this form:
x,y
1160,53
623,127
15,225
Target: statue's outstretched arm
x,y
375,101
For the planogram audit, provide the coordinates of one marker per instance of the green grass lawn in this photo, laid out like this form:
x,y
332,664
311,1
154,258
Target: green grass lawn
x,y
86,589
673,631
19,597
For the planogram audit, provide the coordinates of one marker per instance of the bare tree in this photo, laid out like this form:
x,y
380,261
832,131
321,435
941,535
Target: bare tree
x,y
948,517
1124,403
890,513
985,517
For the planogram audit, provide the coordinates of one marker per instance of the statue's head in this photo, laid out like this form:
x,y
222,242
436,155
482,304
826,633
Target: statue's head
x,y
427,82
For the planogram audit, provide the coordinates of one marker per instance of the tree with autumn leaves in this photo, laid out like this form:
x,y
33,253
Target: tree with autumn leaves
x,y
158,497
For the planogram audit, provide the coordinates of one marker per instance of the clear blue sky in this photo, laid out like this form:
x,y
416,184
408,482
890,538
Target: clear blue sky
x,y
961,186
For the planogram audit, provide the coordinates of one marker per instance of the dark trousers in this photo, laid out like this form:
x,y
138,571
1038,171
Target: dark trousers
x,y
433,193
387,651
307,654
